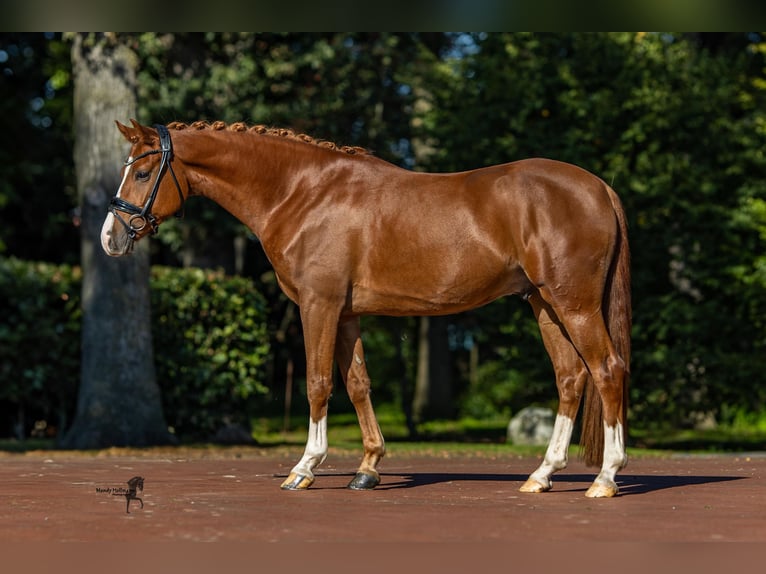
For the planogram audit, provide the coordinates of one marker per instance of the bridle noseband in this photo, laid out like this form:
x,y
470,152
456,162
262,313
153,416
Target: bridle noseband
x,y
140,217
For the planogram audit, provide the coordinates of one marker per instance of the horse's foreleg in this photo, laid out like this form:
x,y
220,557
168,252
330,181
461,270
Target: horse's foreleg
x,y
350,357
571,376
302,474
319,332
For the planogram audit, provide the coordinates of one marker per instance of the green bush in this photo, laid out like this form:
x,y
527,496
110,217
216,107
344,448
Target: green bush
x,y
210,340
39,344
210,348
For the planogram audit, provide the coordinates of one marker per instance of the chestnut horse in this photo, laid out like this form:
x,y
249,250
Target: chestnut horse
x,y
349,234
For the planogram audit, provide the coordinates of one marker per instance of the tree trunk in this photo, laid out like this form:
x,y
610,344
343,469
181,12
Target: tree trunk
x,y
119,401
433,387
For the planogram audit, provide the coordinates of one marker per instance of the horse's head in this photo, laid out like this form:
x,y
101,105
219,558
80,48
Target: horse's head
x,y
145,197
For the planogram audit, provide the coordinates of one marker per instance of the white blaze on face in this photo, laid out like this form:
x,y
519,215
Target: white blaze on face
x,y
106,229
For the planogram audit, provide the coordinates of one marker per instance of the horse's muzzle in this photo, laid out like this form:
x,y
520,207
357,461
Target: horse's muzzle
x,y
115,241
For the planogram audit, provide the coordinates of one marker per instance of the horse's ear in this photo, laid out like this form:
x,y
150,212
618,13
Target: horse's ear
x,y
129,134
138,133
149,135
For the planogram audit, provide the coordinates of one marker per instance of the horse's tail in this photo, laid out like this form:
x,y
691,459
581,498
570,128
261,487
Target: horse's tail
x,y
618,317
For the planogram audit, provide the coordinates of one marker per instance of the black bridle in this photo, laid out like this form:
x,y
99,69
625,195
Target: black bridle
x,y
140,217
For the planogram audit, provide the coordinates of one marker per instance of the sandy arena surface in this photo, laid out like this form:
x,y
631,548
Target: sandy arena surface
x,y
234,495
221,510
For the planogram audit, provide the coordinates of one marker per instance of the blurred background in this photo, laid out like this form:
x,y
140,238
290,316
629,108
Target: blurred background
x,y
675,122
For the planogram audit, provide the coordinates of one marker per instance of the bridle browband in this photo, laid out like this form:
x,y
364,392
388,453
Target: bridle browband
x,y
140,217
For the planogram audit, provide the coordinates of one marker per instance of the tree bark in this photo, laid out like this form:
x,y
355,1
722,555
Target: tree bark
x,y
433,386
119,400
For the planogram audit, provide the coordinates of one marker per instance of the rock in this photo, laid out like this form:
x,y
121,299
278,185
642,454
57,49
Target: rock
x,y
531,426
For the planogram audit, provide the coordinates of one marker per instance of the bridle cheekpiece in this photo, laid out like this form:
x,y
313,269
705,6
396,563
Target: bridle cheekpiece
x,y
140,217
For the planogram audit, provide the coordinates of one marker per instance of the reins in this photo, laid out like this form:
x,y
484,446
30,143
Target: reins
x,y
140,217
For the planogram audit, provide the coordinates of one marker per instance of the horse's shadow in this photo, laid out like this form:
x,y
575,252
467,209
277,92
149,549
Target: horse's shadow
x,y
629,484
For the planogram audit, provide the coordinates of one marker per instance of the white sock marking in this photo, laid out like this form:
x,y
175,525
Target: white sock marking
x,y
316,448
615,456
558,450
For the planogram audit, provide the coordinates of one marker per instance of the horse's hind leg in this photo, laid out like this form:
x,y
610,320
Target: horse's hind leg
x,y
588,333
571,376
350,357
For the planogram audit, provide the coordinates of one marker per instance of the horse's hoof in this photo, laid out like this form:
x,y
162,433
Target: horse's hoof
x,y
297,482
531,485
602,490
364,481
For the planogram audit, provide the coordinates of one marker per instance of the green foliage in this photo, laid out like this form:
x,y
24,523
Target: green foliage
x,y
514,370
210,347
39,339
676,123
37,192
390,345
210,342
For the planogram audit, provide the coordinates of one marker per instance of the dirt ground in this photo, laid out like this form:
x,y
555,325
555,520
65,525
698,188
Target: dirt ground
x,y
234,495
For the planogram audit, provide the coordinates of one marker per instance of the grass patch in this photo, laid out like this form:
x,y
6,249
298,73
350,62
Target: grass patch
x,y
461,437
343,427
15,445
711,441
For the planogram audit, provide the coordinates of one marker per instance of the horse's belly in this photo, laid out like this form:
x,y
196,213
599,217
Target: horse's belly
x,y
414,294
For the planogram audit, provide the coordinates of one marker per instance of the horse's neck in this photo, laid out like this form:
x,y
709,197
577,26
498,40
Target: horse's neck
x,y
249,175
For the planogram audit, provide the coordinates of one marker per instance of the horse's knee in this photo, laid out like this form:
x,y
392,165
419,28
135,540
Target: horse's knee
x,y
319,389
358,386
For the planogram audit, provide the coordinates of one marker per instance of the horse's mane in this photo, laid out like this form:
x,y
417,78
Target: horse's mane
x,y
269,131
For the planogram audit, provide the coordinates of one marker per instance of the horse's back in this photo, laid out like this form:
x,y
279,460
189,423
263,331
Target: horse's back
x,y
443,243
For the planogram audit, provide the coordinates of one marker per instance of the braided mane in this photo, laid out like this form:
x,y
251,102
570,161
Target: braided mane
x,y
265,130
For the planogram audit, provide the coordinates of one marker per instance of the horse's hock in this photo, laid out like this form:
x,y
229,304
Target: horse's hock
x,y
531,426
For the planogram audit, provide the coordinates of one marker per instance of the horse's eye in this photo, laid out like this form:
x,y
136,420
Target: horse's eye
x,y
142,175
